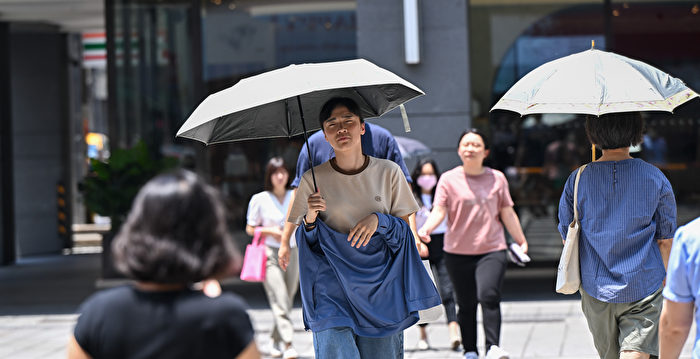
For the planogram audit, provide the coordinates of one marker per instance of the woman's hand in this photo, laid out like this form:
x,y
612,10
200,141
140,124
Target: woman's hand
x,y
363,231
523,245
424,235
315,203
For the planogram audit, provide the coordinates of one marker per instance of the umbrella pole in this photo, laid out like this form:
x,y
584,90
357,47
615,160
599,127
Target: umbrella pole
x,y
306,139
592,152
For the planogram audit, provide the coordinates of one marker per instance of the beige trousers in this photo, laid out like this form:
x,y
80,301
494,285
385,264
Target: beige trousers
x,y
280,288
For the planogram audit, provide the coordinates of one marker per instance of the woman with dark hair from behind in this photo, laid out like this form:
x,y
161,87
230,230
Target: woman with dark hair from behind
x,y
175,236
266,214
425,177
627,214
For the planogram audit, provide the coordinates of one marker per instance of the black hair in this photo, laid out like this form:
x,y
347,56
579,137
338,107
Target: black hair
x,y
175,233
334,102
615,130
273,165
416,173
476,132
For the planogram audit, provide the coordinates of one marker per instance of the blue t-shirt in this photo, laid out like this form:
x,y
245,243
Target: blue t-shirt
x,y
376,142
683,281
624,207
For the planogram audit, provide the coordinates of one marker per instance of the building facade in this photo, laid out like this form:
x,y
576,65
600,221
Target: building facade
x,y
165,56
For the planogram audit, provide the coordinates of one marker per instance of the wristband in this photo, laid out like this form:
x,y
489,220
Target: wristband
x,y
308,226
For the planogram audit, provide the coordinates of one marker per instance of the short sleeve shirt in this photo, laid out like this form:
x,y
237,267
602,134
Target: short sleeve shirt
x,y
376,142
264,209
125,322
683,278
624,207
378,187
473,204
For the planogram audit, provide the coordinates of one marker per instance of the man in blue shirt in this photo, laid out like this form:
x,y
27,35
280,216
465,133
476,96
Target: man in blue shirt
x,y
682,293
376,142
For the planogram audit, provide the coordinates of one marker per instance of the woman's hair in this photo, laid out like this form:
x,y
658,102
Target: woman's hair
x,y
417,191
476,132
175,233
615,130
273,165
334,102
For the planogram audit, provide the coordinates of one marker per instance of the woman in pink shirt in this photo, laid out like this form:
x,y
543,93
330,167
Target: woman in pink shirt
x,y
477,204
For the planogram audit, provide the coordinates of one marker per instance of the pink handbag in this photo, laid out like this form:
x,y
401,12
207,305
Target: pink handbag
x,y
255,260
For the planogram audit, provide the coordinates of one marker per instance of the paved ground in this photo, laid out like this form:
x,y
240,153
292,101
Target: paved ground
x,y
38,299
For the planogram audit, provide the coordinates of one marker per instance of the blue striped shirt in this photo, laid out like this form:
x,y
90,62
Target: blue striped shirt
x,y
624,207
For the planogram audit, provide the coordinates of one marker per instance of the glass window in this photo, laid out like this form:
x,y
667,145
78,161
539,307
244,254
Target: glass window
x,y
154,87
245,38
538,152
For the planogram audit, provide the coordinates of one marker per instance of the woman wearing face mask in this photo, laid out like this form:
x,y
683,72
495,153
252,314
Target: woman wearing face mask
x,y
425,177
477,204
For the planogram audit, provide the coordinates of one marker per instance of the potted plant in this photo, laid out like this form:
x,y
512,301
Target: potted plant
x,y
110,188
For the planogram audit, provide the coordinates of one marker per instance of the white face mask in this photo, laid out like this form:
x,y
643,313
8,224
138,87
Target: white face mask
x,y
427,182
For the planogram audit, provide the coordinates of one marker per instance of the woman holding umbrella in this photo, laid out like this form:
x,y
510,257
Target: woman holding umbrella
x,y
477,204
627,215
362,281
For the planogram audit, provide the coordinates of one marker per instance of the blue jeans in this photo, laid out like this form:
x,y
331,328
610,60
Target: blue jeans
x,y
342,343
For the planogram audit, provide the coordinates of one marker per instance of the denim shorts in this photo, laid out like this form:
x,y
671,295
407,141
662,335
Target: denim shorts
x,y
624,326
342,343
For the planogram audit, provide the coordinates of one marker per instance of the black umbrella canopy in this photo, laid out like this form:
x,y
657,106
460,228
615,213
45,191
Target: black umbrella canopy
x,y
266,105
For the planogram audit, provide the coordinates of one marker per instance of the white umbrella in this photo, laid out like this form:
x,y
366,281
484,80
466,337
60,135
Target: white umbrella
x,y
268,105
595,82
274,103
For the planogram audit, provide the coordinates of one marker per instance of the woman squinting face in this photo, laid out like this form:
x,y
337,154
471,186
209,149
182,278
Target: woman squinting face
x,y
471,149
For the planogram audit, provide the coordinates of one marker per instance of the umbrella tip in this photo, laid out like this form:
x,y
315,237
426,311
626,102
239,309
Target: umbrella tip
x,y
592,44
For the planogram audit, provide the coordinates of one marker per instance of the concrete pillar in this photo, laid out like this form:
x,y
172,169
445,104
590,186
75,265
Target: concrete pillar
x,y
39,101
7,229
443,71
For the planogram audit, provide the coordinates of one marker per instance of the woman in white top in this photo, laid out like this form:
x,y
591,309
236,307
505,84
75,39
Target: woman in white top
x,y
425,177
266,213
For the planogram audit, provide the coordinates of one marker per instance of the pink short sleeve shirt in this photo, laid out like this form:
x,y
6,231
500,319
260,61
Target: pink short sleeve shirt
x,y
473,205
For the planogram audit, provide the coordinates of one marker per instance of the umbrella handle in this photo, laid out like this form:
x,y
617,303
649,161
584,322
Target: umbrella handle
x,y
306,139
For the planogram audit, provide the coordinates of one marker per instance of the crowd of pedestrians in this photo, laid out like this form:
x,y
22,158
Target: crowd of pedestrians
x,y
351,237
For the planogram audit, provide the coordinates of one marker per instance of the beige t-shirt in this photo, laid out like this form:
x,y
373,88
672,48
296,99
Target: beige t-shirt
x,y
379,186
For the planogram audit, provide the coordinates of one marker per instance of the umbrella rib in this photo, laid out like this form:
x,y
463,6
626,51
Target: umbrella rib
x,y
365,101
289,118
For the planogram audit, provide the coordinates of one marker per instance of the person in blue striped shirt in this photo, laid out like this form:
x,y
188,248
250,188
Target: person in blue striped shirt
x,y
627,212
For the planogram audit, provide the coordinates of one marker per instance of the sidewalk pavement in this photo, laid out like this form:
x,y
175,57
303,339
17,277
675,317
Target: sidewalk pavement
x,y
38,300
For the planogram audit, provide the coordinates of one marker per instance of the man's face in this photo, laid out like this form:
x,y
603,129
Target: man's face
x,y
343,129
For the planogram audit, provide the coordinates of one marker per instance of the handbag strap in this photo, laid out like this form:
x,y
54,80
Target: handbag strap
x,y
578,176
257,235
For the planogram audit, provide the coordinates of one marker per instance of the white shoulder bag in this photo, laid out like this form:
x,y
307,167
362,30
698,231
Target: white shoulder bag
x,y
569,270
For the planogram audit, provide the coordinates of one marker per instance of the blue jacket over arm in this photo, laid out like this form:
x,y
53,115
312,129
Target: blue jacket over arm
x,y
376,290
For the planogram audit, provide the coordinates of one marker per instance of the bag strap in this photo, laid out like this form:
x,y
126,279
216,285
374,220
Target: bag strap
x,y
578,176
257,235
